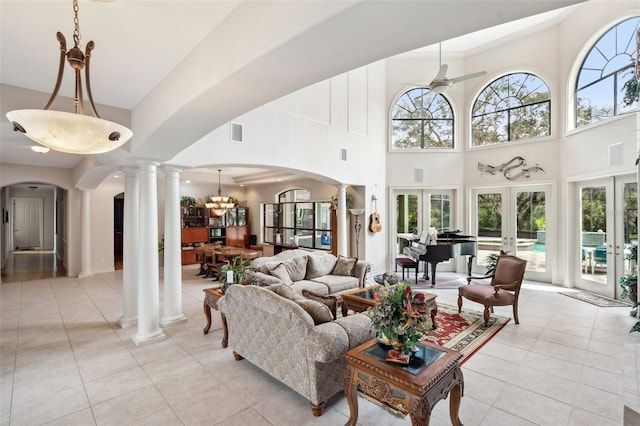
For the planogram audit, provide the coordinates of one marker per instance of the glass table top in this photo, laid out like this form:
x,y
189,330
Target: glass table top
x,y
420,360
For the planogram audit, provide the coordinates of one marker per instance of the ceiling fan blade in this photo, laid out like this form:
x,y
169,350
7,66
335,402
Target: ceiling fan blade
x,y
467,77
442,72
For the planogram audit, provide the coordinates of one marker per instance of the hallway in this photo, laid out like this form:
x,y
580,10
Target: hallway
x,y
32,265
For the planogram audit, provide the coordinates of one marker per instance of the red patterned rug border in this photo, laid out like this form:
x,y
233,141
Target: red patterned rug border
x,y
474,335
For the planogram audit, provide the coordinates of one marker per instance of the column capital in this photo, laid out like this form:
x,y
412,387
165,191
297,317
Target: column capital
x,y
129,170
145,163
170,168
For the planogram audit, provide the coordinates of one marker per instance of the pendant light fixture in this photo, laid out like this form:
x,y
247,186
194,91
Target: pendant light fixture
x,y
219,204
74,133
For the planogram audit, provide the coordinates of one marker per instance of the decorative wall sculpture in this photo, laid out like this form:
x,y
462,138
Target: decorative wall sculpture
x,y
508,168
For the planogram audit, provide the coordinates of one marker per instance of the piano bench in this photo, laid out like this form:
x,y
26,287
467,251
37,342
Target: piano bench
x,y
407,263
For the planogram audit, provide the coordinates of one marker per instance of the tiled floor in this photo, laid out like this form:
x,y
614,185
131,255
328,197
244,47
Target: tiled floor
x,y
65,362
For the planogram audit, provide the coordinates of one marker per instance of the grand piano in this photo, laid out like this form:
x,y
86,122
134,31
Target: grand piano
x,y
448,245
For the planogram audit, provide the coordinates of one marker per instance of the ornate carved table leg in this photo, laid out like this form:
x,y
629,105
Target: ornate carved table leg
x,y
351,393
207,313
454,404
420,412
225,337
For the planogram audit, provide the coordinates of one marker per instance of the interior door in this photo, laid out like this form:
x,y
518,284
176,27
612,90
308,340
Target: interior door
x,y
27,222
607,227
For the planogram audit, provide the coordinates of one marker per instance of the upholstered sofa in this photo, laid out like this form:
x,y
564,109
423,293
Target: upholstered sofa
x,y
303,350
319,272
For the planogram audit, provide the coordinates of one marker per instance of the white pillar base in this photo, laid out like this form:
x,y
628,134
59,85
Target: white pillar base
x,y
172,322
85,274
143,340
126,323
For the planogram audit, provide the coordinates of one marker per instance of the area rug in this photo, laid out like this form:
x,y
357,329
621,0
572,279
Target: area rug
x,y
465,332
595,299
444,280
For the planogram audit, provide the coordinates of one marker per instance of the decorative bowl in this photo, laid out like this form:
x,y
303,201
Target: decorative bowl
x,y
391,279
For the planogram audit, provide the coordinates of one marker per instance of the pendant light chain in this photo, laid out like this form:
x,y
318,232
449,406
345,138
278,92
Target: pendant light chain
x,y
76,21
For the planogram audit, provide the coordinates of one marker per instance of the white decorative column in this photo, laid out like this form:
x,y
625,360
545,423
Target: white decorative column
x,y
130,248
342,220
85,234
148,275
172,313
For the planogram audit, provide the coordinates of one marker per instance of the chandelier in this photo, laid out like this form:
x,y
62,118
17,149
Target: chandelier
x,y
219,205
74,133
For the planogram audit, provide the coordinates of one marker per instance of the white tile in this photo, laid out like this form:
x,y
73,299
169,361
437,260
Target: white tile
x,y
130,407
599,402
532,406
187,384
217,403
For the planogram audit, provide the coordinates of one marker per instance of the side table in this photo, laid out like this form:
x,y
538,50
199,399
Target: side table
x,y
432,374
211,297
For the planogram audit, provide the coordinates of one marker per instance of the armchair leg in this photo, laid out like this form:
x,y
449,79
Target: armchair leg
x,y
486,315
459,303
317,409
515,314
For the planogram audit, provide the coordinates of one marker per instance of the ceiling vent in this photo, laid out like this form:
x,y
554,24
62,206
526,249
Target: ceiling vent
x,y
236,132
343,154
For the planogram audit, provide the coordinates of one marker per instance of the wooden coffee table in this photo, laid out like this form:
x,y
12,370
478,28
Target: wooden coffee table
x,y
433,374
359,300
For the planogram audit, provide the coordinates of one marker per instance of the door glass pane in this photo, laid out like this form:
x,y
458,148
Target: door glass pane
x,y
531,229
594,233
406,218
630,225
489,225
323,215
440,207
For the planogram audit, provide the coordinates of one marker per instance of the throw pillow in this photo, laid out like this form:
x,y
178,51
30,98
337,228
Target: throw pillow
x,y
280,272
296,267
283,290
320,265
344,265
318,311
330,302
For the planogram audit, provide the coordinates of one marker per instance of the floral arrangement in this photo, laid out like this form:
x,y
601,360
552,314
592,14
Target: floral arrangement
x,y
399,318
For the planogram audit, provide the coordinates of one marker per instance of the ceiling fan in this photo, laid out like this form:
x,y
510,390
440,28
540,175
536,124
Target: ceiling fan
x,y
441,83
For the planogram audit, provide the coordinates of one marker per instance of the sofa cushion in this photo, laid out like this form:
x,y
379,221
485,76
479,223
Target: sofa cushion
x,y
316,287
283,290
330,301
337,283
280,271
319,265
344,266
296,267
318,311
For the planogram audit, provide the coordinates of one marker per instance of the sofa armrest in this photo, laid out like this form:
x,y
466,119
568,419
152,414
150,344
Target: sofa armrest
x,y
358,328
327,342
360,271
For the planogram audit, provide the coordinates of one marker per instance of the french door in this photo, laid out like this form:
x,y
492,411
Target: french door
x,y
415,210
606,229
514,219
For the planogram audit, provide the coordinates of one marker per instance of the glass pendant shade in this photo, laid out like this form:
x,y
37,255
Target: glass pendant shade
x,y
70,132
74,133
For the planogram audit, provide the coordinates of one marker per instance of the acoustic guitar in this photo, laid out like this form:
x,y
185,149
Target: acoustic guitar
x,y
374,219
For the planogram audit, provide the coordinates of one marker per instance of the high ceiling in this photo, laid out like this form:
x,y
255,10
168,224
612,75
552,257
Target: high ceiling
x,y
140,45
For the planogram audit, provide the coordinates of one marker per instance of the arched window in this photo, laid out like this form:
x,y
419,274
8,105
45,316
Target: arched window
x,y
513,107
609,65
422,119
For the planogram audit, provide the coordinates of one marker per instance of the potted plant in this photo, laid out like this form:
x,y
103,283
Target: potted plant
x,y
240,268
399,318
